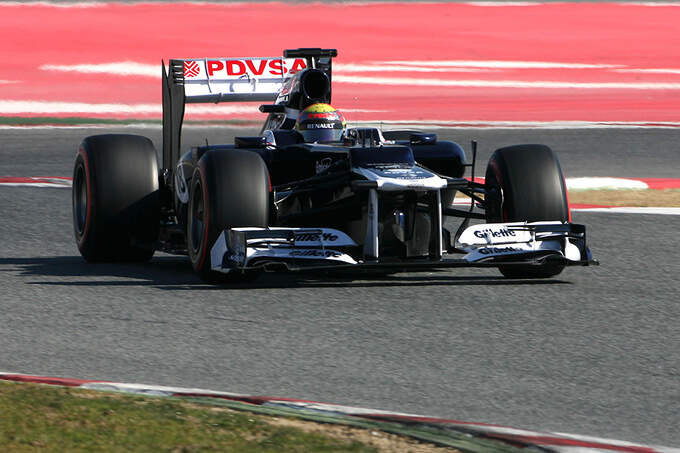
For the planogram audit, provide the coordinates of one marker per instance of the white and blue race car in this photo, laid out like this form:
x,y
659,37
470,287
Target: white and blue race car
x,y
283,201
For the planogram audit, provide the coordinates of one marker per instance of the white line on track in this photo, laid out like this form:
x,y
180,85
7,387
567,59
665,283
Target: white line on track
x,y
600,183
141,125
504,4
649,71
76,4
353,67
407,81
499,64
121,68
639,210
12,107
104,4
56,4
37,184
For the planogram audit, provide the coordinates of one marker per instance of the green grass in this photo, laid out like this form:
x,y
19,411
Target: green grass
x,y
57,419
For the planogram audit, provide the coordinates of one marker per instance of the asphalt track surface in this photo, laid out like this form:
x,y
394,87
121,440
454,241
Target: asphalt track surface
x,y
595,351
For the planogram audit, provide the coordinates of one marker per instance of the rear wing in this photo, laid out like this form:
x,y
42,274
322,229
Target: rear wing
x,y
213,80
234,79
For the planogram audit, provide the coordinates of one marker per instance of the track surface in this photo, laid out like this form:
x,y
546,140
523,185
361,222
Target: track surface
x,y
593,352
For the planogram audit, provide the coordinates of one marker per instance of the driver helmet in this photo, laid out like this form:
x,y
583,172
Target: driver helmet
x,y
320,123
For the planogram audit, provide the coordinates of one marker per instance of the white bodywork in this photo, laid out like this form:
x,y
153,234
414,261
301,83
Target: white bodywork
x,y
490,240
397,179
237,79
271,244
243,247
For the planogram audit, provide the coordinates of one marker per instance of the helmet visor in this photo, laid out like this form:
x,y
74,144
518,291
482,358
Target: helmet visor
x,y
322,135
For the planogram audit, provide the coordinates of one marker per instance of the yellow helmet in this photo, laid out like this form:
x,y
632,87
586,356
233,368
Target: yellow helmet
x,y
320,123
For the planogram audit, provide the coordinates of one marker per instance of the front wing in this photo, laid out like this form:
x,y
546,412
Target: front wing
x,y
484,245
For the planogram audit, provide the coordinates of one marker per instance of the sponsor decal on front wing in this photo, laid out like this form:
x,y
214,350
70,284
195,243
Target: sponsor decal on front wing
x,y
305,237
231,251
481,253
495,233
486,252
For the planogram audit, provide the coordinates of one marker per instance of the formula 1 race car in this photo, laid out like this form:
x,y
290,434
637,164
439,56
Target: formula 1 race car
x,y
310,194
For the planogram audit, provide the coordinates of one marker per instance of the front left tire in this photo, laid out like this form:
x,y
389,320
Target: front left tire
x,y
524,183
229,188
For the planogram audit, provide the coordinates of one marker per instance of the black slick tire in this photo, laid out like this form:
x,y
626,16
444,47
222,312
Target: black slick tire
x,y
229,189
525,183
115,198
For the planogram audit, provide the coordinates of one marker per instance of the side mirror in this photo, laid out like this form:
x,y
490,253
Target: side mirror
x,y
423,139
365,136
250,142
273,108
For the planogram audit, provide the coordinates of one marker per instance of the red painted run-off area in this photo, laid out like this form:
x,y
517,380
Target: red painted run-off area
x,y
628,37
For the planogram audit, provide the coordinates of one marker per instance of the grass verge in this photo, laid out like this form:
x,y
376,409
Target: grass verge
x,y
46,418
627,197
